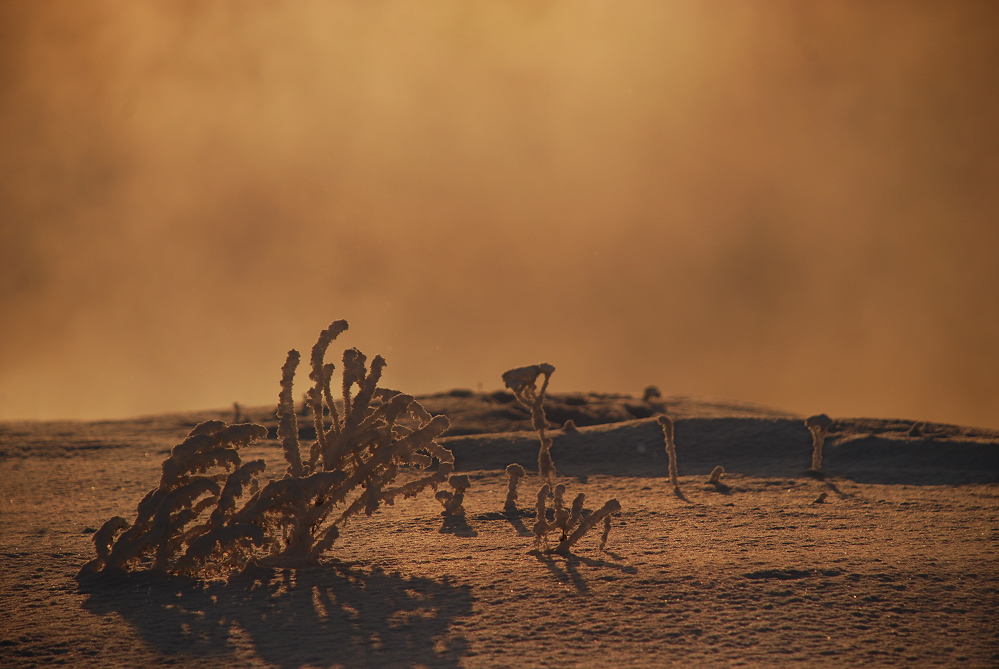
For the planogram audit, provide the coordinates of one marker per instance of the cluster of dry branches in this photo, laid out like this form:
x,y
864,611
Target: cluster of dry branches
x,y
192,523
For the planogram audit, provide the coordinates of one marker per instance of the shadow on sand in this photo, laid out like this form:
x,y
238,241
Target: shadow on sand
x,y
458,526
565,568
289,618
864,451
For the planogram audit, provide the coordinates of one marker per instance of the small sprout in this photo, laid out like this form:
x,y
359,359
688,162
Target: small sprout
x,y
569,426
818,425
561,513
715,480
541,527
667,424
452,502
821,499
515,472
606,533
651,393
577,510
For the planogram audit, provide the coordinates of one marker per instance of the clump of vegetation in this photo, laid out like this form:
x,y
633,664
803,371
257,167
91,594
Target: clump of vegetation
x,y
192,522
818,425
164,529
570,523
667,424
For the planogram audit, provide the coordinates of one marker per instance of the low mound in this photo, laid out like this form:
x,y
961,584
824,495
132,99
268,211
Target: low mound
x,y
768,566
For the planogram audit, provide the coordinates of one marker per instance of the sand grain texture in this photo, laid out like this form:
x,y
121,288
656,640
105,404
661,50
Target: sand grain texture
x,y
897,566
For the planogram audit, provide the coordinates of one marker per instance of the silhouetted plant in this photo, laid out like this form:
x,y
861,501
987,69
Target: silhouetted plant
x,y
667,424
452,501
522,382
515,472
818,425
293,520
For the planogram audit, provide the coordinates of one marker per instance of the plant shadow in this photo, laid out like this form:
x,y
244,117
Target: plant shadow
x,y
719,487
323,616
514,517
517,520
565,568
832,486
458,526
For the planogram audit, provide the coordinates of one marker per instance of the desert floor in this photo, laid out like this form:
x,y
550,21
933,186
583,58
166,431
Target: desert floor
x,y
897,566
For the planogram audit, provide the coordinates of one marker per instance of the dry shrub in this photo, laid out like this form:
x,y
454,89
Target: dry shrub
x,y
190,523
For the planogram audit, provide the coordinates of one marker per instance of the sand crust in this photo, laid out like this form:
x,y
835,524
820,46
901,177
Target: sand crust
x,y
897,566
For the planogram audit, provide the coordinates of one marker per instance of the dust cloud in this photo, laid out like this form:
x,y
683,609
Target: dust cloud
x,y
792,204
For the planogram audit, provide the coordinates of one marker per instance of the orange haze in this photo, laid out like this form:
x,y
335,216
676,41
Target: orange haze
x,y
790,203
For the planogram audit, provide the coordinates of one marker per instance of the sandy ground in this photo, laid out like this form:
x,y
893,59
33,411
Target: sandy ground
x,y
897,566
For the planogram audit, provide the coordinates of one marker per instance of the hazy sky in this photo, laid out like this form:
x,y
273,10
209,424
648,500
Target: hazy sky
x,y
790,203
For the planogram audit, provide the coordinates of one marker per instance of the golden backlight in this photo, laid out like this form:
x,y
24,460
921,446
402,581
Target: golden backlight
x,y
789,203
